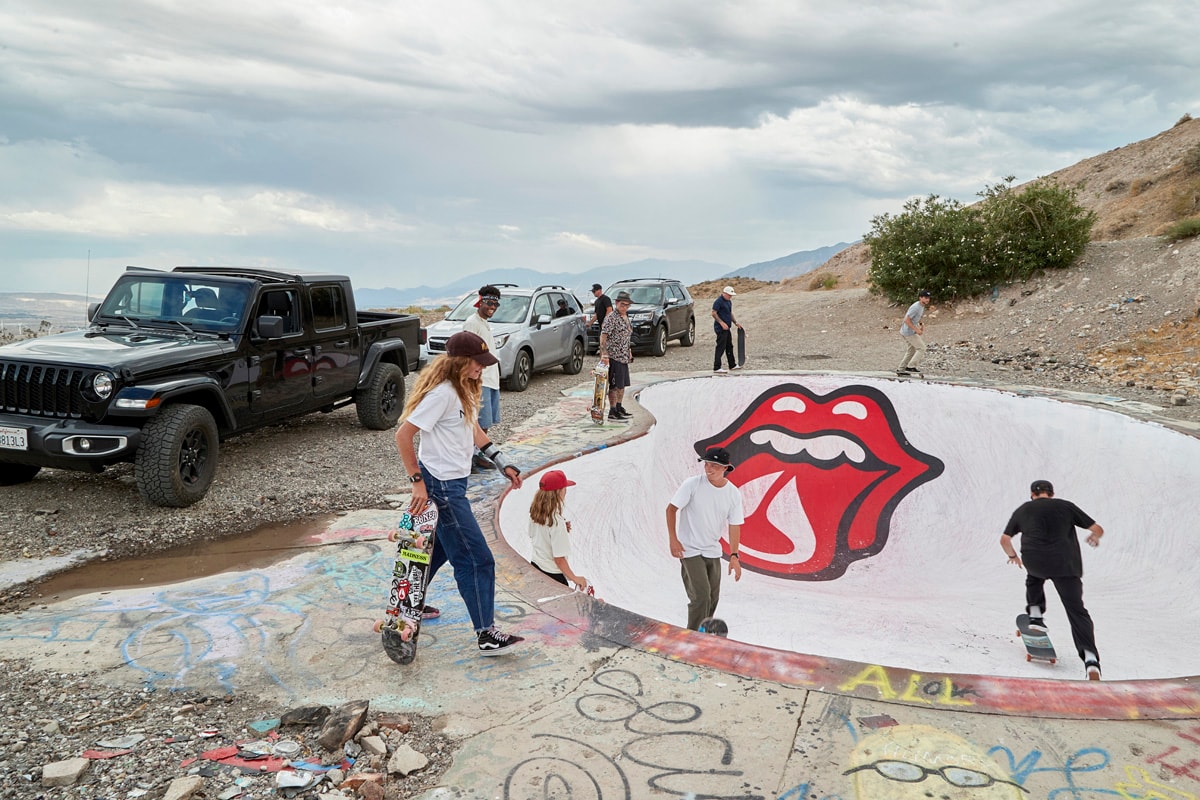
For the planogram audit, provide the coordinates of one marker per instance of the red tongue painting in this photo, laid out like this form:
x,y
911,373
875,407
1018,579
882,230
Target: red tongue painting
x,y
841,457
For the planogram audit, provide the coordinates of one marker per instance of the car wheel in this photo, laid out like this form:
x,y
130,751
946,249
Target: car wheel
x,y
522,372
575,365
381,401
12,474
659,346
177,458
689,338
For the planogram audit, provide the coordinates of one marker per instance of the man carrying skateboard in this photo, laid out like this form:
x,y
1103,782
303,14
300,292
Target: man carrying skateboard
x,y
911,330
1050,551
723,322
703,509
616,351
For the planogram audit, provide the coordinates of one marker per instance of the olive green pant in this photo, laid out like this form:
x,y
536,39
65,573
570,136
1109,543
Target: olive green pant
x,y
702,580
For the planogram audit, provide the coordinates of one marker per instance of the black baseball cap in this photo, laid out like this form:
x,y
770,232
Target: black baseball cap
x,y
1041,486
717,455
924,293
597,287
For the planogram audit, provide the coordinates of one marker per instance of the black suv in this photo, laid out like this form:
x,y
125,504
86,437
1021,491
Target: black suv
x,y
662,310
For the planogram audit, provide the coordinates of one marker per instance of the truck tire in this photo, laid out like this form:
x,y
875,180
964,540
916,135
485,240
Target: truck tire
x,y
522,372
689,338
658,347
575,365
381,401
12,474
177,458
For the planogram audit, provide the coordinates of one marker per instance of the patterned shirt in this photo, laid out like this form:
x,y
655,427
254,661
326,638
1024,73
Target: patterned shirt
x,y
619,330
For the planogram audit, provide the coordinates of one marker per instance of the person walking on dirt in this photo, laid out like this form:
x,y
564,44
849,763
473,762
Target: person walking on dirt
x,y
550,531
616,335
723,322
443,407
489,403
705,508
911,330
1050,551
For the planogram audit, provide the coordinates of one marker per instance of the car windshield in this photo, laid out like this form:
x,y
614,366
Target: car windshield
x,y
640,295
513,308
200,303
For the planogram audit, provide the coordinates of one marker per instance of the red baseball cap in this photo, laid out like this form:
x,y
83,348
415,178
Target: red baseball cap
x,y
554,480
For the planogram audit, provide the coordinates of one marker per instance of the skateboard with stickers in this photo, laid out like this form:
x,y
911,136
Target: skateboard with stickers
x,y
599,392
401,624
1037,643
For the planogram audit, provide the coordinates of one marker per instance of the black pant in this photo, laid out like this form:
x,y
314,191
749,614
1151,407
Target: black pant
x,y
724,346
558,576
1070,591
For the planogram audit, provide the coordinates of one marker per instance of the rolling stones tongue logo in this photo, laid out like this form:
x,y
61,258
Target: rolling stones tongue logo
x,y
820,477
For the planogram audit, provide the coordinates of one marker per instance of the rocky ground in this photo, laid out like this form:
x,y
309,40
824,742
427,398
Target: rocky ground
x,y
1122,322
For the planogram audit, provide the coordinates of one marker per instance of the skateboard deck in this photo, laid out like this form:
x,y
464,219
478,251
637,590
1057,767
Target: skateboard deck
x,y
715,626
741,347
599,392
907,374
401,625
1037,643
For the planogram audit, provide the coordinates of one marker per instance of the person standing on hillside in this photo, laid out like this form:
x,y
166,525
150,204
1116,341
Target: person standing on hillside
x,y
616,335
705,508
723,322
489,402
1050,551
911,330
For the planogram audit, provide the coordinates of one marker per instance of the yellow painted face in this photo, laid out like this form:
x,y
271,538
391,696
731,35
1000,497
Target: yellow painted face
x,y
920,762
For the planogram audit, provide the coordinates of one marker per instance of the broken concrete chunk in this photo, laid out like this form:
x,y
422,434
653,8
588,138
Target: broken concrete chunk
x,y
343,723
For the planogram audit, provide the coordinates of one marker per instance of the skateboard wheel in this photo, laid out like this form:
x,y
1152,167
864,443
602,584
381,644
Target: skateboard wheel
x,y
378,626
393,536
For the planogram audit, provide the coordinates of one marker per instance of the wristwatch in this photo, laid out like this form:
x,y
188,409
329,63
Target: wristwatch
x,y
415,478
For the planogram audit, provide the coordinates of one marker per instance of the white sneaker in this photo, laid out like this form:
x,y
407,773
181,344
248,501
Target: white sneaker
x,y
721,370
739,366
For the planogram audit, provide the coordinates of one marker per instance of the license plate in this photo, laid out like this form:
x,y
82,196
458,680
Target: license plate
x,y
13,439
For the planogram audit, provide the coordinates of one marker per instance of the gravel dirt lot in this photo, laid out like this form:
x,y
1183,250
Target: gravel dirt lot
x,y
1122,322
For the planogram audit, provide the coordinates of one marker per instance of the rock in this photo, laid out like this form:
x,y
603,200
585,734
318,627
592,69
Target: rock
x,y
306,715
183,788
64,773
336,776
394,722
371,791
343,723
373,745
405,761
1179,399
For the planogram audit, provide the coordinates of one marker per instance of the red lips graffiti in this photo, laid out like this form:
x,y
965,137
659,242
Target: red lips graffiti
x,y
820,477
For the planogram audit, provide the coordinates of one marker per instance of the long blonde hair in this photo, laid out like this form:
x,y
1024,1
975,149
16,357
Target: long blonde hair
x,y
453,369
546,506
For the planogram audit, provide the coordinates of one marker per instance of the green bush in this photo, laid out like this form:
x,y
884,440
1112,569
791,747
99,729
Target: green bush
x,y
961,251
1184,229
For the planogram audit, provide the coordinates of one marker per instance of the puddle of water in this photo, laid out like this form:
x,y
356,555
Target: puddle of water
x,y
259,548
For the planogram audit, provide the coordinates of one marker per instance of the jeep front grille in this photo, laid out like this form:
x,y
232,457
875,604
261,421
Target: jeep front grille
x,y
46,391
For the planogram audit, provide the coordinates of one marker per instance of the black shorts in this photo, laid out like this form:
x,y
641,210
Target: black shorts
x,y
618,374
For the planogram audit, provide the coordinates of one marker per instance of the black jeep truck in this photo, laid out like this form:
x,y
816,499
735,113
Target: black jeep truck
x,y
174,362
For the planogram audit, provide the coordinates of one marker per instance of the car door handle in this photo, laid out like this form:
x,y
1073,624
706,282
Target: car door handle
x,y
342,344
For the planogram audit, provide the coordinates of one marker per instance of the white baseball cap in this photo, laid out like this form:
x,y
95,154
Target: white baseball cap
x,y
729,291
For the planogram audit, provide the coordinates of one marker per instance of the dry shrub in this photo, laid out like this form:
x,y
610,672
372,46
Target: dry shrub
x,y
1140,185
823,280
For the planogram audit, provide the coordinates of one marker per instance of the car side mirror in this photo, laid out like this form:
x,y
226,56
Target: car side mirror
x,y
269,327
542,319
91,311
672,301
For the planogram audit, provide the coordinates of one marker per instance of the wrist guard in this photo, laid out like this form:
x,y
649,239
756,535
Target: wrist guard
x,y
491,451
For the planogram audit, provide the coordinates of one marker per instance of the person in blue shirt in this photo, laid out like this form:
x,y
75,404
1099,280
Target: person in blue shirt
x,y
723,324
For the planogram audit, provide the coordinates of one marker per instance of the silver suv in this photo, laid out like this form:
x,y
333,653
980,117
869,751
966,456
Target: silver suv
x,y
533,332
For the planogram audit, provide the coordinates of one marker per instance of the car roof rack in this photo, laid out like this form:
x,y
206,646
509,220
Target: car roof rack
x,y
550,286
640,280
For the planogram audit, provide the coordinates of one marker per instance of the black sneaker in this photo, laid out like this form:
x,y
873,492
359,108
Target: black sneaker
x,y
625,414
911,369
615,416
1037,624
431,612
493,642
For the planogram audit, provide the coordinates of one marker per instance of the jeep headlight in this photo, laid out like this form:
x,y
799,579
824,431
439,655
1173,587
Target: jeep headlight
x,y
102,385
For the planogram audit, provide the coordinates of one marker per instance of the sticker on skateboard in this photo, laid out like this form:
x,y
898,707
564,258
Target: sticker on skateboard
x,y
599,392
1037,643
401,625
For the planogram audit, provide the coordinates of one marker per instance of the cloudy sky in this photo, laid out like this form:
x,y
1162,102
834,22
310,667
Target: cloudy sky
x,y
409,142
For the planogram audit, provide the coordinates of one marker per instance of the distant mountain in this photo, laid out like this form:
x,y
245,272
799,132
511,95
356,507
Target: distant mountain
x,y
788,266
579,282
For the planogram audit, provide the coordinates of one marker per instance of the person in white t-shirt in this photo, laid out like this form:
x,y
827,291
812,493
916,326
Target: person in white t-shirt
x,y
443,408
704,509
550,530
489,403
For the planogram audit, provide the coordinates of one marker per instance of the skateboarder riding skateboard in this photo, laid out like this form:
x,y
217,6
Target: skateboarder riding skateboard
x,y
1050,551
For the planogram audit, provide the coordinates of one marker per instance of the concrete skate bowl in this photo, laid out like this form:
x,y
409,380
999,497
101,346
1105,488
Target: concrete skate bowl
x,y
873,513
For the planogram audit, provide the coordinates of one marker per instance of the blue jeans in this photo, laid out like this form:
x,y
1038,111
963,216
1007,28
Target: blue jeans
x,y
489,408
459,541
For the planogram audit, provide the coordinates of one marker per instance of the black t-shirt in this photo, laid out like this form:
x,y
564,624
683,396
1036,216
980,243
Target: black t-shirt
x,y
602,306
1049,546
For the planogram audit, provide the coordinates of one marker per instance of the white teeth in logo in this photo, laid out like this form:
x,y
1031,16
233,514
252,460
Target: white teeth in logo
x,y
786,513
820,448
